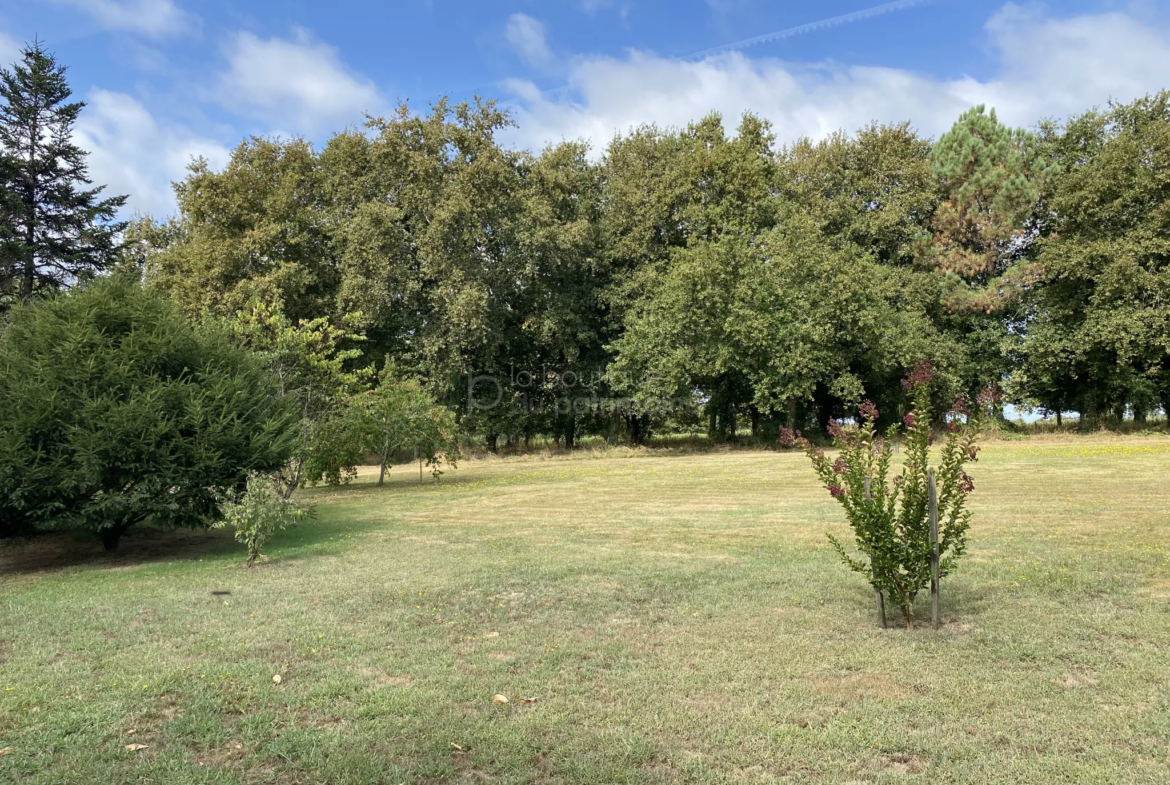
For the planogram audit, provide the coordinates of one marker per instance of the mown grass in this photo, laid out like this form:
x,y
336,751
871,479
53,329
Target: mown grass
x,y
677,618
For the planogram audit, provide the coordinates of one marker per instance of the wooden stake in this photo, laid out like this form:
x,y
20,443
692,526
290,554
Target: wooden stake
x,y
881,601
932,502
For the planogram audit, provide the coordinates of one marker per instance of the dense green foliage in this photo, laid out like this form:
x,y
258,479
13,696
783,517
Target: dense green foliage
x,y
53,228
314,378
118,411
1097,339
691,273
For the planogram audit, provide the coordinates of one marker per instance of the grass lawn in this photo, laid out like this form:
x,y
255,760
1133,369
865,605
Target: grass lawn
x,y
676,617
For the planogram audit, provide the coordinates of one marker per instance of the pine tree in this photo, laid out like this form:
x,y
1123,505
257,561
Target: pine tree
x,y
992,181
53,229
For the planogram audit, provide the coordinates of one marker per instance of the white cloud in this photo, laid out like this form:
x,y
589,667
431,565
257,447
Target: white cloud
x,y
131,153
154,18
1047,68
299,86
527,38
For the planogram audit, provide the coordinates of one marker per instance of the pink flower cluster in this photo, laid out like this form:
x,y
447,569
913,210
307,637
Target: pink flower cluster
x,y
909,420
840,466
966,484
836,491
868,411
923,373
989,397
787,437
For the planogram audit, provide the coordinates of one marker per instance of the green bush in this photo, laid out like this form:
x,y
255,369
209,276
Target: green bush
x,y
259,512
400,415
396,416
890,518
115,411
311,361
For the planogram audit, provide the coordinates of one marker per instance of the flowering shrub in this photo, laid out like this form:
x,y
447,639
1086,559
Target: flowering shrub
x,y
258,513
889,515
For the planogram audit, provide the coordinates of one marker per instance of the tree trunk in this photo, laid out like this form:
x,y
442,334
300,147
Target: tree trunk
x,y
290,485
1058,419
112,534
382,470
792,414
634,422
29,272
1090,417
493,442
755,413
571,431
823,402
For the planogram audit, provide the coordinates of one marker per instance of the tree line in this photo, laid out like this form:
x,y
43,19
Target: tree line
x,y
741,280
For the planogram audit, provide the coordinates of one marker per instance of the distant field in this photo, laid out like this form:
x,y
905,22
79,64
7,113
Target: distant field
x,y
676,617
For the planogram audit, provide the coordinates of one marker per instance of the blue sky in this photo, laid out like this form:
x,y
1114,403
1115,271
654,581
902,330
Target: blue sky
x,y
169,79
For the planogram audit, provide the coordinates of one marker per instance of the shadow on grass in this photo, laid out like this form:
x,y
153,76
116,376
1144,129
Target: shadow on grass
x,y
62,550
154,544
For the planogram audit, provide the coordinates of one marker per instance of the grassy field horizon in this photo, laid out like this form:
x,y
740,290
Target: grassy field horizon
x,y
653,616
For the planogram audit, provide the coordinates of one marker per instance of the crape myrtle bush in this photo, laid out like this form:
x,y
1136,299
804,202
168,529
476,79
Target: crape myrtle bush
x,y
116,411
889,516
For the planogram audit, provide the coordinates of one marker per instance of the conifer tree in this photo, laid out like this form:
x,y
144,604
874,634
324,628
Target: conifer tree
x,y
54,228
992,181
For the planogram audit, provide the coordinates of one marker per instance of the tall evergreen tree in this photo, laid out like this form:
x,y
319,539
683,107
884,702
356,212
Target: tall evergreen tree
x,y
53,228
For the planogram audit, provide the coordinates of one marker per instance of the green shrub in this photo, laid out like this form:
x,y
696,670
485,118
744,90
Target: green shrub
x,y
400,415
257,513
890,518
311,361
116,411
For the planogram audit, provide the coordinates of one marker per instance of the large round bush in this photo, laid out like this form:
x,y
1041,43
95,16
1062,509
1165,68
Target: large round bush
x,y
116,411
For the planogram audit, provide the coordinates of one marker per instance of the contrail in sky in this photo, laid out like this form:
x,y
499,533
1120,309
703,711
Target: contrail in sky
x,y
833,21
779,35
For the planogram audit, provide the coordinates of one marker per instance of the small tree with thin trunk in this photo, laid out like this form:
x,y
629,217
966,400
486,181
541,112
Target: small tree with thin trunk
x,y
53,228
400,415
257,513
